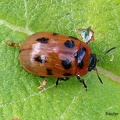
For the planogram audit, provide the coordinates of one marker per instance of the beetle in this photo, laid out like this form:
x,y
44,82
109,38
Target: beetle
x,y
49,54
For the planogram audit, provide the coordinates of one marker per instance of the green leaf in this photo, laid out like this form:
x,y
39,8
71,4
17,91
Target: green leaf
x,y
19,97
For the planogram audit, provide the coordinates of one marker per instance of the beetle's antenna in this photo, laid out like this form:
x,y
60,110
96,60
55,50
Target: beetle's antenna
x,y
105,53
97,60
98,75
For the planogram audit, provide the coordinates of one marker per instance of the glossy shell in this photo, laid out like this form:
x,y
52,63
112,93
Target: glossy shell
x,y
51,54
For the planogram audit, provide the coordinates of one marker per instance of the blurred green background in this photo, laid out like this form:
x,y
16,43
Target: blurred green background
x,y
19,97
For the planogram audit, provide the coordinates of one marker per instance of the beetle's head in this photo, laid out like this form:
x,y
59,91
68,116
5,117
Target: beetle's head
x,y
88,35
93,60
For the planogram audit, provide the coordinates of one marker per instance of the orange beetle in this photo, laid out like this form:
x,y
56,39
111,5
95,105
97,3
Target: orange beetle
x,y
49,54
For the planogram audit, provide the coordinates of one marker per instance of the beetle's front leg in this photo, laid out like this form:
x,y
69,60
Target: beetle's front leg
x,y
82,81
59,79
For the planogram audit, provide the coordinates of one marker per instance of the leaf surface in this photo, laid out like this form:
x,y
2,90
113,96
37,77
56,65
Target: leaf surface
x,y
19,97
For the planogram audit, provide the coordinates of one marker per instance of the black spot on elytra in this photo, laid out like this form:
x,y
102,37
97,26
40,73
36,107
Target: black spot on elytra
x,y
80,53
81,65
43,40
73,37
66,64
67,74
69,43
49,71
55,33
41,59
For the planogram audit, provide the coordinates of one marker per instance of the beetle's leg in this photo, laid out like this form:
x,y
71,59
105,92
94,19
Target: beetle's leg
x,y
42,85
65,79
82,81
60,79
42,76
12,44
